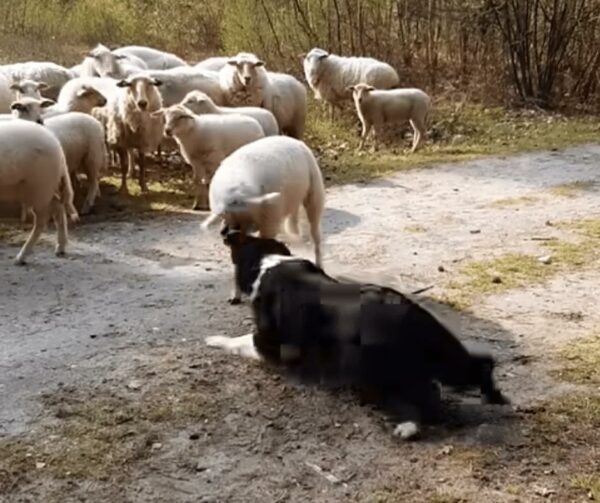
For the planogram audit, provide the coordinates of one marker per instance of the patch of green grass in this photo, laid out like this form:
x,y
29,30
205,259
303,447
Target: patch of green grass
x,y
514,201
590,483
458,134
581,361
516,270
572,189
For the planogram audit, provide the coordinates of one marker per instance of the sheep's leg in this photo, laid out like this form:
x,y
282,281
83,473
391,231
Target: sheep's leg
x,y
60,222
40,219
200,188
313,212
419,131
235,297
366,129
24,213
142,173
292,226
92,194
124,161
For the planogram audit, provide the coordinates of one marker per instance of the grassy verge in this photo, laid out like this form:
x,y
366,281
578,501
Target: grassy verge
x,y
516,270
456,134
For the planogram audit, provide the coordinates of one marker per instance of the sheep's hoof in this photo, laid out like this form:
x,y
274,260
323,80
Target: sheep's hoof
x,y
124,191
20,260
60,252
234,301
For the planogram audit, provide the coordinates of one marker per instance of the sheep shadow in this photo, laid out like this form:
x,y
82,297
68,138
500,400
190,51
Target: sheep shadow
x,y
335,221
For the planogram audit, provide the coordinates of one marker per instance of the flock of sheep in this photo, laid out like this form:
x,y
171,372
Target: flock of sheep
x,y
238,125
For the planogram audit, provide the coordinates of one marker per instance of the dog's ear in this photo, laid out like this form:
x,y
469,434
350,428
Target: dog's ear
x,y
233,237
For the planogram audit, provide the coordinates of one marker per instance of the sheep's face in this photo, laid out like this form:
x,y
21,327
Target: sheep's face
x,y
30,109
313,65
28,88
360,92
105,63
198,102
140,90
88,98
178,120
245,70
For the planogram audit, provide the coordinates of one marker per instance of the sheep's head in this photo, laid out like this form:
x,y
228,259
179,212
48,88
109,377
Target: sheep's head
x,y
142,91
313,66
198,102
246,67
28,88
178,119
30,109
88,97
105,62
360,92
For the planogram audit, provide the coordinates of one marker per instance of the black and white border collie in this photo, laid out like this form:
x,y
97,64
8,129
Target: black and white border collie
x,y
363,335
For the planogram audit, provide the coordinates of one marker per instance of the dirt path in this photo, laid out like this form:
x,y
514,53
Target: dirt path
x,y
116,330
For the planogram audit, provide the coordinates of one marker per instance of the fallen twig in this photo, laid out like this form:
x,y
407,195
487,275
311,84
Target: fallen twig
x,y
328,476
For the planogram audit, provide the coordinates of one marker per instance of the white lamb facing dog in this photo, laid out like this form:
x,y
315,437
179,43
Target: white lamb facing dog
x,y
264,183
377,108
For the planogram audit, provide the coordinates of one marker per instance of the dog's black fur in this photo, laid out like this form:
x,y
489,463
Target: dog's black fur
x,y
359,334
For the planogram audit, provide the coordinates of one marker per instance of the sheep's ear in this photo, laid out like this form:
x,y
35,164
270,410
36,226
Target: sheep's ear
x,y
15,86
322,56
158,113
259,63
16,105
46,103
123,83
42,86
156,82
120,56
270,198
351,88
370,88
232,62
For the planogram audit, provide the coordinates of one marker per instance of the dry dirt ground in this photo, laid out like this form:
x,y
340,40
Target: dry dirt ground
x,y
107,392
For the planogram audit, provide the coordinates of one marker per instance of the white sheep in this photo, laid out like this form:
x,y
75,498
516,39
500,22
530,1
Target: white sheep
x,y
286,99
81,95
33,172
6,95
130,126
377,108
102,62
154,58
82,139
28,88
53,75
243,80
213,64
264,183
29,109
246,82
200,103
329,75
206,140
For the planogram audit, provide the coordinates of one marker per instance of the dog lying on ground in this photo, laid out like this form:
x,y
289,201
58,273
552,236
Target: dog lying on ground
x,y
349,333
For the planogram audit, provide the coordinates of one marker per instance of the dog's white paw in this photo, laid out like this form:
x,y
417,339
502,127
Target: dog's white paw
x,y
406,430
217,341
